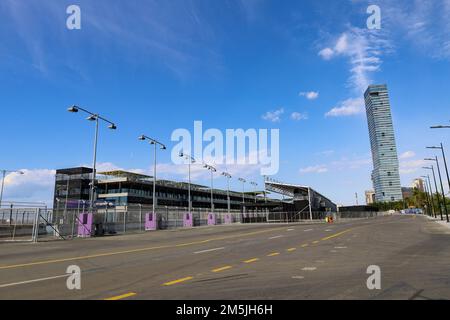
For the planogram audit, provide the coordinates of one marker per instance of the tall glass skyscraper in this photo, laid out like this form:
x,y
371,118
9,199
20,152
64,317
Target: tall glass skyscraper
x,y
385,174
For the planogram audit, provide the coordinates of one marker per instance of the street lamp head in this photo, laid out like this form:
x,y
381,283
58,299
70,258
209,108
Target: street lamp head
x,y
163,147
433,147
73,109
429,159
142,138
112,127
91,118
428,168
440,127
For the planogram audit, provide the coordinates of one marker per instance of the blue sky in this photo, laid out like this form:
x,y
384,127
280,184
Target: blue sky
x,y
155,66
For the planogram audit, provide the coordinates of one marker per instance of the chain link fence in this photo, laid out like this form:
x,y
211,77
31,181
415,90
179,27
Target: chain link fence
x,y
22,222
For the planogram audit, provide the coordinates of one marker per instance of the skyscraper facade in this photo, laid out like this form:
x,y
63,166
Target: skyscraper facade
x,y
385,174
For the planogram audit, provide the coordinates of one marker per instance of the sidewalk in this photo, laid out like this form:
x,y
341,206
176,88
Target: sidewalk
x,y
438,220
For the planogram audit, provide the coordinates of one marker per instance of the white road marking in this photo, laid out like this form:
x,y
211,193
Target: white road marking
x,y
32,281
340,247
209,250
290,229
298,277
308,230
276,237
328,230
309,269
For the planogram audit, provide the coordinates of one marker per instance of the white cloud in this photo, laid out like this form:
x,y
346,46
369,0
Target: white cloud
x,y
326,53
35,185
343,164
326,153
273,116
352,163
310,95
407,155
297,116
411,166
38,185
347,108
424,23
342,44
314,169
363,50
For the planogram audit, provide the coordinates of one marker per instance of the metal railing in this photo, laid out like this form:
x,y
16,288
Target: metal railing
x,y
22,222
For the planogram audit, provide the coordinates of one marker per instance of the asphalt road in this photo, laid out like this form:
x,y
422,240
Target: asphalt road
x,y
295,261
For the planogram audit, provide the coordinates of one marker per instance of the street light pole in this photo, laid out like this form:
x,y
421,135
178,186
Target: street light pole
x,y
444,200
427,201
437,191
243,192
254,184
243,189
429,195
212,169
93,117
4,172
191,161
445,162
228,176
94,166
162,147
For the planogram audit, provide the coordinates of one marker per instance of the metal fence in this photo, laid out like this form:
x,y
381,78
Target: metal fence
x,y
23,221
20,222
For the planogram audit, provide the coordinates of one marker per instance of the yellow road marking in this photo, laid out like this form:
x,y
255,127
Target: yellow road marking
x,y
273,254
305,245
123,296
171,283
291,249
315,242
251,260
336,235
108,254
221,269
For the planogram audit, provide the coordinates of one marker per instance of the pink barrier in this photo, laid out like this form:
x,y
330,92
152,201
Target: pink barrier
x,y
212,219
188,220
85,225
227,219
151,223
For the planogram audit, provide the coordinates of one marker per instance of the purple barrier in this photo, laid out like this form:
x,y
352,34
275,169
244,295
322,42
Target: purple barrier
x,y
227,219
85,225
188,220
212,219
150,222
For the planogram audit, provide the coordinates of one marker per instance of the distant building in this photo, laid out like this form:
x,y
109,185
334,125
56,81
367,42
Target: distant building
x,y
370,197
121,190
418,184
407,192
72,183
385,174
